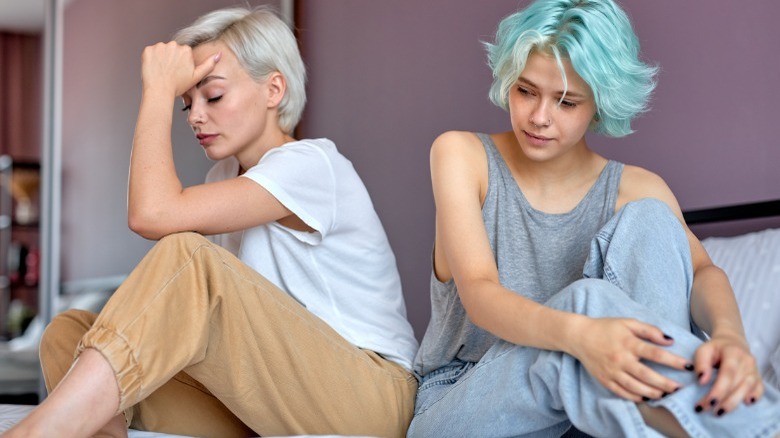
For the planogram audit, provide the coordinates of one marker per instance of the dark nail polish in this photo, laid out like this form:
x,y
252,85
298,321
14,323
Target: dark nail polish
x,y
698,376
752,400
664,394
721,412
699,408
689,366
717,366
645,399
713,402
668,338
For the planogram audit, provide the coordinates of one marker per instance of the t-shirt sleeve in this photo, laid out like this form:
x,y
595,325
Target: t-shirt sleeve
x,y
301,177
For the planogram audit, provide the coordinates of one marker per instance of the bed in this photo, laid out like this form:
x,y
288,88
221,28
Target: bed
x,y
742,239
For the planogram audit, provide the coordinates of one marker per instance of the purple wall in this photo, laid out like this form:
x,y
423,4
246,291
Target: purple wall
x,y
387,77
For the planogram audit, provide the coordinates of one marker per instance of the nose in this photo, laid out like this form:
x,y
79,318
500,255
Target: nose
x,y
196,115
540,115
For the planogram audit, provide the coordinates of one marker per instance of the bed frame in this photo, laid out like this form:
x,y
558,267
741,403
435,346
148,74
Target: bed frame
x,y
753,210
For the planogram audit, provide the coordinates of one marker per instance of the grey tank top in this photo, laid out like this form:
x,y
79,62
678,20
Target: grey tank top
x,y
537,255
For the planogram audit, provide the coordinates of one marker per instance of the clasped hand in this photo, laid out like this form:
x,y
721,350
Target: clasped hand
x,y
614,349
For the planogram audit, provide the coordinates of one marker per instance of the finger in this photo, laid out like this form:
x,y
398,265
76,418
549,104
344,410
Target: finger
x,y
205,67
735,397
650,384
755,393
705,361
651,333
621,388
732,371
661,356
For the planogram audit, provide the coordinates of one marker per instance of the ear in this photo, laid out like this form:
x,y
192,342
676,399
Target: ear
x,y
277,86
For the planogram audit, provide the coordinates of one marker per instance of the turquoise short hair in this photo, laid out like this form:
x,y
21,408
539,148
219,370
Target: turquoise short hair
x,y
596,36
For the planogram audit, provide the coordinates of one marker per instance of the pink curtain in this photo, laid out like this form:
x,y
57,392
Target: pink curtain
x,y
21,70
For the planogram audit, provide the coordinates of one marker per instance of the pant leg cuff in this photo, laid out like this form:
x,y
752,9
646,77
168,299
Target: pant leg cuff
x,y
122,359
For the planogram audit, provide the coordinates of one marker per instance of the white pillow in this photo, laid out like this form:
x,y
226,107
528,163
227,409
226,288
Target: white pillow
x,y
752,263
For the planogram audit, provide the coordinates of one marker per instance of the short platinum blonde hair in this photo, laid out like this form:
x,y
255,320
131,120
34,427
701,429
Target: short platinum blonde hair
x,y
263,44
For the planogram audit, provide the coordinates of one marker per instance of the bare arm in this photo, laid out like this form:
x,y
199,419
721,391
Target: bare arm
x,y
157,203
462,248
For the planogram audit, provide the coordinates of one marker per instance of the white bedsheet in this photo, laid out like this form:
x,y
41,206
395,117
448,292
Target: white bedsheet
x,y
11,414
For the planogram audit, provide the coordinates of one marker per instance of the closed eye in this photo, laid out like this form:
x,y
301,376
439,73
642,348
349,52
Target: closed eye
x,y
212,100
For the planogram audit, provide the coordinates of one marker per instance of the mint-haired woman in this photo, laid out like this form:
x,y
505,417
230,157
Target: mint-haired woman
x,y
566,287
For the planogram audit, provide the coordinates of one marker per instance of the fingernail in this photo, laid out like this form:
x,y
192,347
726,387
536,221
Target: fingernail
x,y
717,366
698,408
664,394
645,399
668,338
689,366
752,400
721,412
713,402
698,376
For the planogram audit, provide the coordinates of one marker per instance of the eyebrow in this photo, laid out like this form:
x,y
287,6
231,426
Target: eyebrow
x,y
207,79
569,93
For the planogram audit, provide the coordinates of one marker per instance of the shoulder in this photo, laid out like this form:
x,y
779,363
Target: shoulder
x,y
459,165
317,147
457,147
456,140
636,178
299,154
638,183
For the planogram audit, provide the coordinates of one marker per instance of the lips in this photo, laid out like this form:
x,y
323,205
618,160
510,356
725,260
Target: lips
x,y
536,139
206,139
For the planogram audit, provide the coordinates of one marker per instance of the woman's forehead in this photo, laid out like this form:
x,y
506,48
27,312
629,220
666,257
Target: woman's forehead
x,y
543,70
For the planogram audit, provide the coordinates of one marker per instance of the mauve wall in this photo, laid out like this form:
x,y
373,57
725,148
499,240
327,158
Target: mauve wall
x,y
387,77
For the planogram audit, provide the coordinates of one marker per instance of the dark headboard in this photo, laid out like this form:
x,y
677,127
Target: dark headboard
x,y
751,210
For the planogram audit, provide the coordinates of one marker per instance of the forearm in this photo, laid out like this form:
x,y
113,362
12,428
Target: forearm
x,y
517,319
713,305
153,180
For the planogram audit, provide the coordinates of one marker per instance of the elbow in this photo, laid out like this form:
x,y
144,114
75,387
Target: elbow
x,y
144,225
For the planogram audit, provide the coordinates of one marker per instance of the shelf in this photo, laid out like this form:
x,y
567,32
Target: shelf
x,y
19,242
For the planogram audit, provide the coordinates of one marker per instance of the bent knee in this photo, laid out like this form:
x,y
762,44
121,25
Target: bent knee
x,y
651,212
183,243
183,238
67,328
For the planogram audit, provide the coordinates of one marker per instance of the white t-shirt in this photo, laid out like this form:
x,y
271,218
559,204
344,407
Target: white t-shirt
x,y
344,272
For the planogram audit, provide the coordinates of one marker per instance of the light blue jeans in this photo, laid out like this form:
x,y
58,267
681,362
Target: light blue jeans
x,y
639,267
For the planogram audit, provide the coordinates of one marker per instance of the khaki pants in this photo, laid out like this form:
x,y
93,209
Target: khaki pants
x,y
203,345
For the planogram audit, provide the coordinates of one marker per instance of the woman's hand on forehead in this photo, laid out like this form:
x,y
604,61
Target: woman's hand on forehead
x,y
170,68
